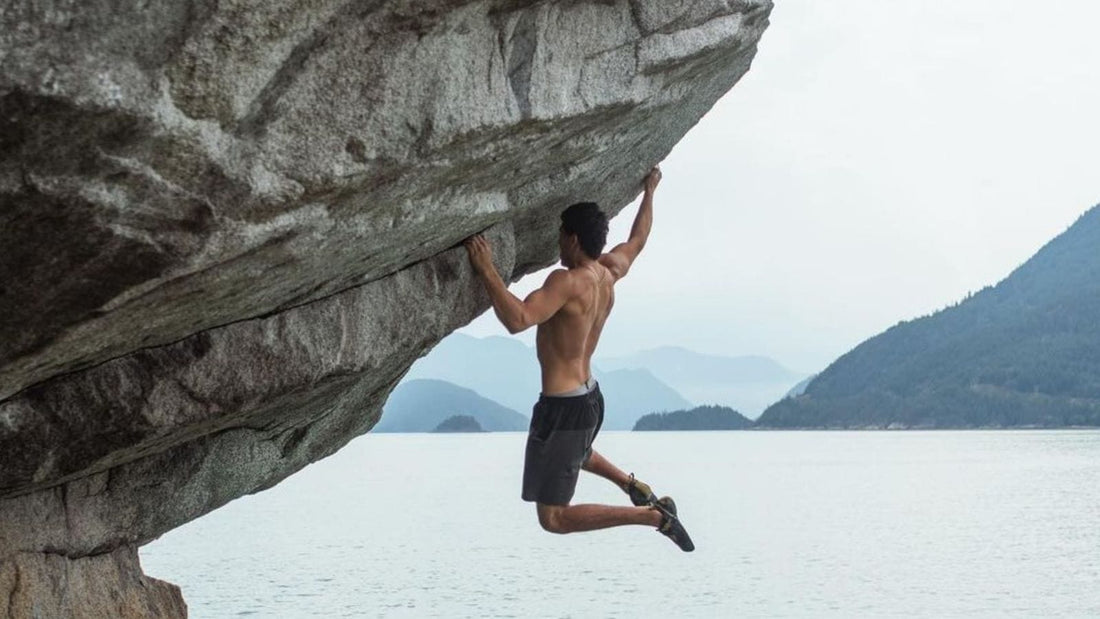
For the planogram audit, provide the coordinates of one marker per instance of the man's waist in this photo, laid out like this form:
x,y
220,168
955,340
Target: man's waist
x,y
585,388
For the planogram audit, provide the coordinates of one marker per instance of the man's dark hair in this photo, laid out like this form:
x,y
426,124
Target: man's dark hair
x,y
588,222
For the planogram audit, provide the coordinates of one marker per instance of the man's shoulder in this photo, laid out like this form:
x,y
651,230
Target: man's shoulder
x,y
615,264
560,278
609,258
572,281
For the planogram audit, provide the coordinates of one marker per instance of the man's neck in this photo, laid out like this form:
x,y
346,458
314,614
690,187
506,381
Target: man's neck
x,y
582,263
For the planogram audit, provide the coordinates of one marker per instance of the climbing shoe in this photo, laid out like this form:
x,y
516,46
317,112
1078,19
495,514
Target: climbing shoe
x,y
665,504
671,527
640,492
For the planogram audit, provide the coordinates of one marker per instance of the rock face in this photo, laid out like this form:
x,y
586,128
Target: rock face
x,y
104,585
229,227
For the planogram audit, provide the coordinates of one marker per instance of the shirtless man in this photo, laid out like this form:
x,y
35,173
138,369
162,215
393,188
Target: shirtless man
x,y
570,310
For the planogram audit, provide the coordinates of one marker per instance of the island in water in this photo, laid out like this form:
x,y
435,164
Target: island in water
x,y
698,418
459,423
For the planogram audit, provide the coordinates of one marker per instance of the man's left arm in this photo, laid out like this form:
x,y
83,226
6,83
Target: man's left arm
x,y
514,314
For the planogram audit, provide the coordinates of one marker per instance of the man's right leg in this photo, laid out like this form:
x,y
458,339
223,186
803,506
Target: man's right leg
x,y
576,518
589,517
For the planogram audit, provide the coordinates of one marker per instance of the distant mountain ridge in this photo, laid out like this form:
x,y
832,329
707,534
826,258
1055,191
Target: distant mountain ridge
x,y
500,368
683,363
1023,353
423,405
747,383
506,370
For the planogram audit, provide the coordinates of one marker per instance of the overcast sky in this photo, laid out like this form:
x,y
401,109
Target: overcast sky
x,y
879,161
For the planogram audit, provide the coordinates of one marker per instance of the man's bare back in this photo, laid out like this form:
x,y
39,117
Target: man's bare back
x,y
571,309
567,340
574,303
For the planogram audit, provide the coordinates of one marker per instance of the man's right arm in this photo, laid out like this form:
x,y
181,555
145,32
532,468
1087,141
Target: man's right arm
x,y
619,259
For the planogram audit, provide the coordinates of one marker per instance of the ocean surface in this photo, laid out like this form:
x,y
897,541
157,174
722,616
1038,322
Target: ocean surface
x,y
792,524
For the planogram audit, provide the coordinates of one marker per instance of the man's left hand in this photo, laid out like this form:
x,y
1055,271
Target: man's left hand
x,y
481,254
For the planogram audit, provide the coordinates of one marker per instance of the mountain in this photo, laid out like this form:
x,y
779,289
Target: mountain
x,y
502,369
746,383
459,423
629,394
800,388
1023,353
700,418
422,405
506,370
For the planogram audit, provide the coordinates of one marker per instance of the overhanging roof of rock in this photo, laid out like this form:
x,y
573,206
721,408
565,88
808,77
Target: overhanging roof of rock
x,y
174,169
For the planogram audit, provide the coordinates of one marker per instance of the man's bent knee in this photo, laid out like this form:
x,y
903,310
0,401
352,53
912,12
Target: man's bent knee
x,y
550,518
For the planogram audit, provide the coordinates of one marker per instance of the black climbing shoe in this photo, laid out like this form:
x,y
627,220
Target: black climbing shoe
x,y
666,504
671,527
640,492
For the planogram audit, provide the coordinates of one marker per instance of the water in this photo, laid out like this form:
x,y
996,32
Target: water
x,y
935,524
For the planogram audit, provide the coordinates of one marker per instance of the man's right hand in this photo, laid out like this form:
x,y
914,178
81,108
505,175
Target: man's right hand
x,y
652,179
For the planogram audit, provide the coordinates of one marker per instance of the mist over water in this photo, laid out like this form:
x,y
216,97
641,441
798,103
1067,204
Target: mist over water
x,y
786,524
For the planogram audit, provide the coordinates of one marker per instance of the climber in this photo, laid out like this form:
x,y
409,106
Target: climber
x,y
570,310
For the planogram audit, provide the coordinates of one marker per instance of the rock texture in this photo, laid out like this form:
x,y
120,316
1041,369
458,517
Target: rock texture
x,y
229,227
106,585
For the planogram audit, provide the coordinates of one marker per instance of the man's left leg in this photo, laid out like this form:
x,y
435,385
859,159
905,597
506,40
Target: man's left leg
x,y
640,492
601,466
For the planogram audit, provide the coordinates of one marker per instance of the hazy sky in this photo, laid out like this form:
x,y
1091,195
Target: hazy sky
x,y
879,161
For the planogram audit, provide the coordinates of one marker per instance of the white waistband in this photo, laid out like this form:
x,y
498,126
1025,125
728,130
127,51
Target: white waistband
x,y
586,387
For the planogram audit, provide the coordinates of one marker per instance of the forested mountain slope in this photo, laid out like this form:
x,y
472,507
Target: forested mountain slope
x,y
1025,352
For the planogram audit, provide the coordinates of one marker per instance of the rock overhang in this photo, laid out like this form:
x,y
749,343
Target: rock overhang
x,y
376,148
229,229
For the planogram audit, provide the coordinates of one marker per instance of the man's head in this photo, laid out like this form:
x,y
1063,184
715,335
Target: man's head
x,y
583,231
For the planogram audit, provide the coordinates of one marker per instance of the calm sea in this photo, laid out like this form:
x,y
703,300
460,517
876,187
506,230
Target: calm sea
x,y
844,524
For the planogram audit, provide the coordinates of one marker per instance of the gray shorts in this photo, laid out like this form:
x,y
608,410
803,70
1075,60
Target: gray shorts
x,y
558,444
